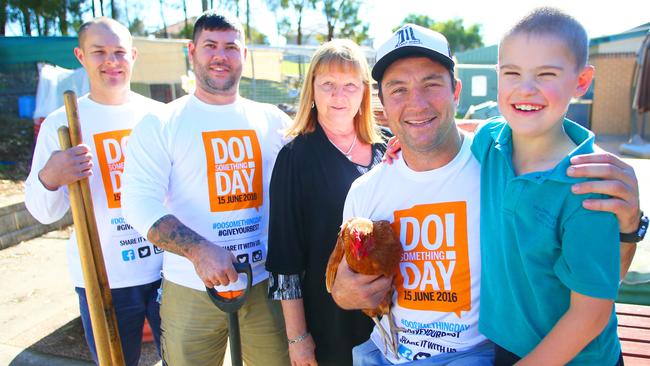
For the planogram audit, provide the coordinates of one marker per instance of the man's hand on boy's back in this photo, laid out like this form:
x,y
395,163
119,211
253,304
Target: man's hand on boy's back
x,y
617,180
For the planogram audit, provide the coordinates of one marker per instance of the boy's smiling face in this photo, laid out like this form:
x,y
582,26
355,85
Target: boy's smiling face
x,y
538,76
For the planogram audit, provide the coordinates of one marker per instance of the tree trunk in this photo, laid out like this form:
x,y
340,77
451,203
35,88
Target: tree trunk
x,y
92,3
126,12
204,5
3,17
185,12
248,21
101,7
63,21
45,31
162,17
299,31
115,13
37,21
26,19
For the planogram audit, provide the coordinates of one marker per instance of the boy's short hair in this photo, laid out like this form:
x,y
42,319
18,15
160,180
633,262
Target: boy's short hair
x,y
215,20
547,21
105,21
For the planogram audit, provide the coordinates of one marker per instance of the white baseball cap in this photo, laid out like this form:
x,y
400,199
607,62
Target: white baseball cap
x,y
412,40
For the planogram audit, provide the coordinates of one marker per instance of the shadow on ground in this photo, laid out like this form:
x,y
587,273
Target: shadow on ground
x,y
69,345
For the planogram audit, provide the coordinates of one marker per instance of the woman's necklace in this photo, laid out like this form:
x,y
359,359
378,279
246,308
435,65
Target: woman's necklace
x,y
348,154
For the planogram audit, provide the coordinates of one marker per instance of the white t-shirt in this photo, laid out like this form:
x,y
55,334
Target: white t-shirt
x,y
129,258
209,166
436,215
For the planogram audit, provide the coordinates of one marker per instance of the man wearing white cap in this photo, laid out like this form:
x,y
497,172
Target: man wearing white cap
x,y
431,195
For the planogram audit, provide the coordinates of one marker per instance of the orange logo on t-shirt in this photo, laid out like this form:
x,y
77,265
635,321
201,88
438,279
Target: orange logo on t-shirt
x,y
234,169
110,148
434,270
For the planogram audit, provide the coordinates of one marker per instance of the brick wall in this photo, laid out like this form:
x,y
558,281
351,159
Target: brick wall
x,y
612,92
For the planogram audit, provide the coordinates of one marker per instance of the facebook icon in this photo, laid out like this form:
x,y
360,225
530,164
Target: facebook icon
x,y
128,255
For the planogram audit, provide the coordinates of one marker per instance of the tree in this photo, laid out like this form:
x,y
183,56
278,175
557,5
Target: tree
x,y
62,14
4,15
76,9
282,23
341,17
352,27
162,17
459,37
419,19
115,13
23,8
136,27
257,37
186,26
298,7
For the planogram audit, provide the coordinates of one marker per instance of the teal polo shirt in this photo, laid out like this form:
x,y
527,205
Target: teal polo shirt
x,y
538,244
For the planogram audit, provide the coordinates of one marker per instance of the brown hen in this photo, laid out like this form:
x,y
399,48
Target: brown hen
x,y
371,248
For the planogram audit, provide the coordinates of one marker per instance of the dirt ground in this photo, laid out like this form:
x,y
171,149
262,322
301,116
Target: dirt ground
x,y
38,306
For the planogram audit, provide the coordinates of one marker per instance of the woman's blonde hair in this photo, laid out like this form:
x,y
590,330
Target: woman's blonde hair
x,y
338,54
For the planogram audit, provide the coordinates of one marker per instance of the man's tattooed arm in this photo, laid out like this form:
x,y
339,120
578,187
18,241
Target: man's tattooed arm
x,y
170,234
212,263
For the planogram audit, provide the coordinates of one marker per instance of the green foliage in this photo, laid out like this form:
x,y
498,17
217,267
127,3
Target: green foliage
x,y
137,28
352,27
257,37
342,18
186,32
48,17
297,8
459,37
419,19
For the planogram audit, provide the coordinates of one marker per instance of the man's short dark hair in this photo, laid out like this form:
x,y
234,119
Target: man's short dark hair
x,y
215,20
553,22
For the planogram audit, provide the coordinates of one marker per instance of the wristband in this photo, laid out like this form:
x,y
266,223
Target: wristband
x,y
639,234
298,339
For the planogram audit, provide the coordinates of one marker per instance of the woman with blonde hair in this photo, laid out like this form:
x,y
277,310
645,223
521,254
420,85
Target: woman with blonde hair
x,y
335,141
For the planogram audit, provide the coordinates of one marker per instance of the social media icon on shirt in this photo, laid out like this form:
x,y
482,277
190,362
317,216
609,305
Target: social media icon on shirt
x,y
128,255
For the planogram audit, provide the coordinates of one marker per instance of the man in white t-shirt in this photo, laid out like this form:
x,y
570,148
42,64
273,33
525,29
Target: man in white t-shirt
x,y
107,114
431,194
196,184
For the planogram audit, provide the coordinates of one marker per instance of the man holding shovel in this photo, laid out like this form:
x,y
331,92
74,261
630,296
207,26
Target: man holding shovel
x,y
107,114
196,183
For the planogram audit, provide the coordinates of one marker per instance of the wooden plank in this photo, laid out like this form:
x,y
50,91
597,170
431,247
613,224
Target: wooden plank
x,y
633,321
634,334
629,309
637,349
635,361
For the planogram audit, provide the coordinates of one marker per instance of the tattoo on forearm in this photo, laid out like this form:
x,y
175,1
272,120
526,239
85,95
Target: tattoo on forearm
x,y
172,235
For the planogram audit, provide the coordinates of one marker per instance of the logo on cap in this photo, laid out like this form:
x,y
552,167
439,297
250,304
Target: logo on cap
x,y
406,36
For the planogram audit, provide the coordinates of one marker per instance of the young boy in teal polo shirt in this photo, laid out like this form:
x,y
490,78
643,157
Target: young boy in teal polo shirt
x,y
550,267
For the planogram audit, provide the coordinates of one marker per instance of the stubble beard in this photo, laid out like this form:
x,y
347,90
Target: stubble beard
x,y
211,86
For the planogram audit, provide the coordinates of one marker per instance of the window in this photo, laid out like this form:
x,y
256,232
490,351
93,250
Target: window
x,y
479,86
